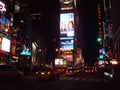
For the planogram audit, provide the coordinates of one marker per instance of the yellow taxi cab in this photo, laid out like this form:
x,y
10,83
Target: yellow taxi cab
x,y
46,73
70,71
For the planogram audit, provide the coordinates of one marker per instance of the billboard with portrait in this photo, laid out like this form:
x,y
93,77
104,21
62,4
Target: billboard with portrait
x,y
67,24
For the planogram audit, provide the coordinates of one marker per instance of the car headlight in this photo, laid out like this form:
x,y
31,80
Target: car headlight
x,y
42,73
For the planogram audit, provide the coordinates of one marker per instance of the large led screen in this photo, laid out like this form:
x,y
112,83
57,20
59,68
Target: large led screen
x,y
66,43
5,45
67,24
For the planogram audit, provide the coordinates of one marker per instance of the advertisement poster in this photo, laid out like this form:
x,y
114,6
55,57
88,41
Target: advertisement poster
x,y
67,24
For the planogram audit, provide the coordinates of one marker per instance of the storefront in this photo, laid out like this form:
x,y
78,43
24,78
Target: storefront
x,y
4,57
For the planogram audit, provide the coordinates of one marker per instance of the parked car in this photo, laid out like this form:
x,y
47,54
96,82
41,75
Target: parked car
x,y
10,72
47,73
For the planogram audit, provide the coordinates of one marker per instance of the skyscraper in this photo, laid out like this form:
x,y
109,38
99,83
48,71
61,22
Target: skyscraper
x,y
69,20
105,30
116,27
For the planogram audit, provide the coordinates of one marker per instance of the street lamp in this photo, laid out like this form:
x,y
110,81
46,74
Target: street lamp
x,y
98,39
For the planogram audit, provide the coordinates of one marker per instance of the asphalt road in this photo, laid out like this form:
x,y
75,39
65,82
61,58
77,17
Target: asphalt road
x,y
78,82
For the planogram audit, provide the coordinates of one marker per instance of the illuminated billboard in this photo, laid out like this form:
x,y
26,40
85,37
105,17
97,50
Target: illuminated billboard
x,y
58,61
66,43
5,44
66,4
26,50
67,24
2,7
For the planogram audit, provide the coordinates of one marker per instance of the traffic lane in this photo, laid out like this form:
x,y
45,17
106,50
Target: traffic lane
x,y
28,83
34,84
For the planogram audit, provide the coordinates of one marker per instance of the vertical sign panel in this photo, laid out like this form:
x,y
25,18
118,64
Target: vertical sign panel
x,y
66,31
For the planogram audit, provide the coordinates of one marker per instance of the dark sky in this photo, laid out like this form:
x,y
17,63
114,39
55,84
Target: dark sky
x,y
88,11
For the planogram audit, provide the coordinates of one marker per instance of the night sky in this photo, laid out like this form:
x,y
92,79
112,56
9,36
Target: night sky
x,y
88,11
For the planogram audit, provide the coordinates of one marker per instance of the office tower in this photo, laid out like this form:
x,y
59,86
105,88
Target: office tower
x,y
69,51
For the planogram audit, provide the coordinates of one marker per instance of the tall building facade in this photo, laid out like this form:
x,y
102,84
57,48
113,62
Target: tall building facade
x,y
5,36
105,30
20,45
109,29
116,27
70,52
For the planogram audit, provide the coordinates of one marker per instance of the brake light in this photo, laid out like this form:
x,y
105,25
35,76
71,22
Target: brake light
x,y
75,71
36,73
48,72
66,71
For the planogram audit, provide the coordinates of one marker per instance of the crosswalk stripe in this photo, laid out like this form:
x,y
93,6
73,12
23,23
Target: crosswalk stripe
x,y
84,79
70,78
105,80
97,80
62,78
76,79
90,79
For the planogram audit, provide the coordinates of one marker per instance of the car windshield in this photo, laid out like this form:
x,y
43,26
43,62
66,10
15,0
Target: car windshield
x,y
45,69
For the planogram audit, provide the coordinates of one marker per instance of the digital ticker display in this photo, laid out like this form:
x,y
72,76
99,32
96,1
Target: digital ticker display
x,y
66,43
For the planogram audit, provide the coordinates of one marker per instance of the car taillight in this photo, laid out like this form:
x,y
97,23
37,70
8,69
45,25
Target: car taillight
x,y
48,72
75,71
36,73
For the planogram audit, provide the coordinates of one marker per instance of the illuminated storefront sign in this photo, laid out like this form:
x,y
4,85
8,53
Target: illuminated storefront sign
x,y
59,61
26,50
69,58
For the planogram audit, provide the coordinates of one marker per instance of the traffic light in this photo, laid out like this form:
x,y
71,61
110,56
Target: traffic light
x,y
98,39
